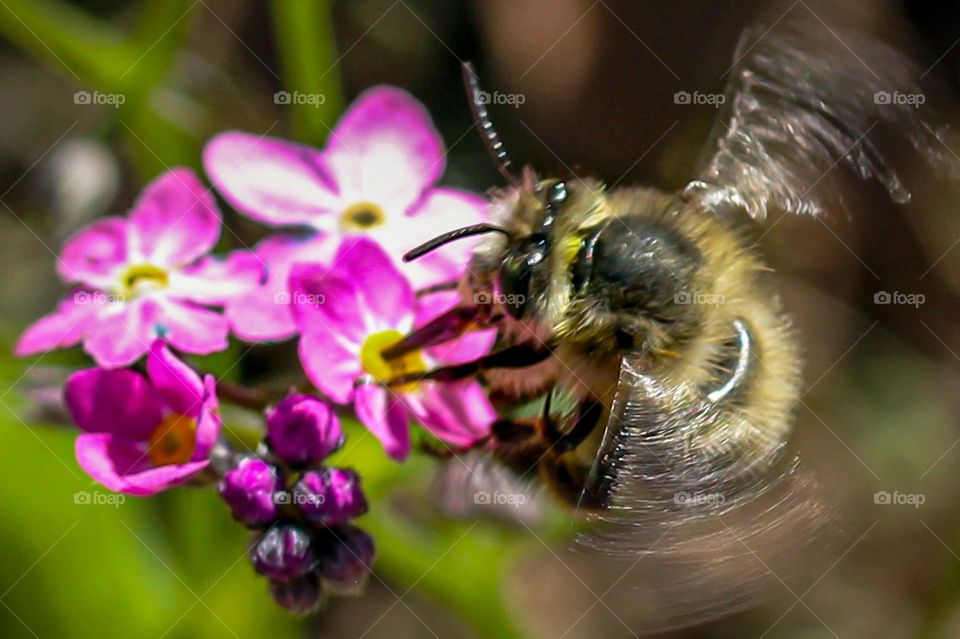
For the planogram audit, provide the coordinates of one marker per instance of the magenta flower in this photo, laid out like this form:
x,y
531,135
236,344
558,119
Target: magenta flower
x,y
376,177
347,315
284,552
249,490
303,430
331,496
146,276
144,434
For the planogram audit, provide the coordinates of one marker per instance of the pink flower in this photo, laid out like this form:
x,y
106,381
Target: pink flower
x,y
146,276
376,177
347,314
262,313
144,434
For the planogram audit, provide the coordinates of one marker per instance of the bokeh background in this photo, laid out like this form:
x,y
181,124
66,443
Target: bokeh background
x,y
882,382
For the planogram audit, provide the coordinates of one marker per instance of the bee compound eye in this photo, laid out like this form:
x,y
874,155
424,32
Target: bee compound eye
x,y
515,276
557,194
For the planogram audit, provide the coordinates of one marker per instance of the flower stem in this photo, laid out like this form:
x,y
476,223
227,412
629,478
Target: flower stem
x,y
308,53
253,398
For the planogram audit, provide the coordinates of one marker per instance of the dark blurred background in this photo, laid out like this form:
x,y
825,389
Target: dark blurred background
x,y
882,381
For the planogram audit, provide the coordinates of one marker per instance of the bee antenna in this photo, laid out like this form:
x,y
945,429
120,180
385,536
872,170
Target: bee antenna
x,y
481,119
451,236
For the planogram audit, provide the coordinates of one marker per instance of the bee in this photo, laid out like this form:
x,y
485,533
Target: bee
x,y
652,314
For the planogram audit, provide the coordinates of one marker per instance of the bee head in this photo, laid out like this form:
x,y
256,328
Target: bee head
x,y
539,221
539,228
543,221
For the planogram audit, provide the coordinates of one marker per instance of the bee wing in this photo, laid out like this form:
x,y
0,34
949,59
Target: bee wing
x,y
805,100
695,527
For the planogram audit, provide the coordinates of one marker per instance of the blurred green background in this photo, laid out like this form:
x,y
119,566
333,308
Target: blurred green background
x,y
883,381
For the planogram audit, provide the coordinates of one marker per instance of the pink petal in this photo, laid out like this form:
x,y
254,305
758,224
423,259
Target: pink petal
x,y
440,211
117,401
385,149
273,181
190,328
208,421
174,221
177,383
121,465
95,254
387,296
457,413
471,346
216,281
384,415
281,251
322,299
264,313
65,327
328,364
122,333
261,316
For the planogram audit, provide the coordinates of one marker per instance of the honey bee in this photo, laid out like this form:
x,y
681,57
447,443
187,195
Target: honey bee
x,y
652,314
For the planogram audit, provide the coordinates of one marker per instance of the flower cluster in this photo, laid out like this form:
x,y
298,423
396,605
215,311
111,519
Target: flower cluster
x,y
300,508
328,274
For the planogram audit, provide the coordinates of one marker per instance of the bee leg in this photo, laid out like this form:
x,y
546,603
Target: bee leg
x,y
518,444
588,416
566,480
518,356
448,326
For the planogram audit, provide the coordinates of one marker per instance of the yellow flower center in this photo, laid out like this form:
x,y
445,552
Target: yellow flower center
x,y
384,370
173,441
142,278
362,216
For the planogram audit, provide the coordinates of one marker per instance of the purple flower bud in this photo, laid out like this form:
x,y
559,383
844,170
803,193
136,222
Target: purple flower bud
x,y
346,554
303,430
300,596
248,490
283,553
331,496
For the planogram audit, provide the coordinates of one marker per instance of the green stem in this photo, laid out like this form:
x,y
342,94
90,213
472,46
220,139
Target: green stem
x,y
307,46
82,46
